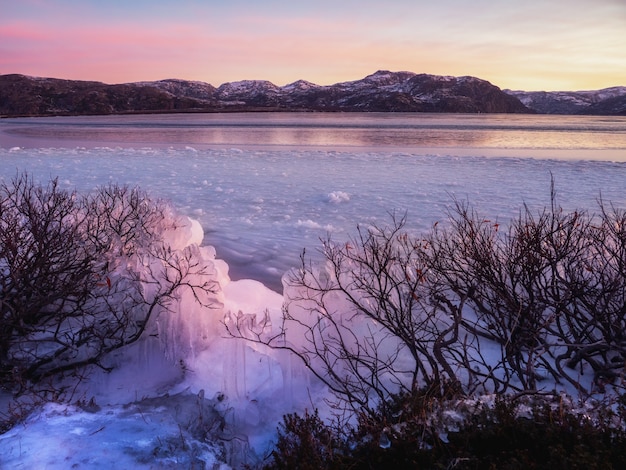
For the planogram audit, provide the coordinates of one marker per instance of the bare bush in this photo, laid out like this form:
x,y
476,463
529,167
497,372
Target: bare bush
x,y
123,220
364,322
506,279
550,291
472,306
83,276
591,321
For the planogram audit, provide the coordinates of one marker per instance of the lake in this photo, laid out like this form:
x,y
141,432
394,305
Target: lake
x,y
581,136
266,185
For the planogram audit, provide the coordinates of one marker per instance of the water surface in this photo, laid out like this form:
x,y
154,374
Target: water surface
x,y
588,137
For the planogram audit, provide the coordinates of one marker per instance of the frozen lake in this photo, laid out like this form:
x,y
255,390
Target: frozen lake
x,y
265,186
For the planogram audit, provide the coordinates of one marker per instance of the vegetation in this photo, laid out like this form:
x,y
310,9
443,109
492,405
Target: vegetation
x,y
405,329
546,435
472,308
81,276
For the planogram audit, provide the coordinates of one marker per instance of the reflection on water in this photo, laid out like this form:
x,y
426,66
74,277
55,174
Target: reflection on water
x,y
341,130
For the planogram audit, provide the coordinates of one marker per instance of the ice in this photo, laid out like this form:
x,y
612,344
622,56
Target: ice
x,y
147,434
247,214
338,196
261,208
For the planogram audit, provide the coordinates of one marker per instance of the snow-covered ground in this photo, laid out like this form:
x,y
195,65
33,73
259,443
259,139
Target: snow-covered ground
x,y
259,208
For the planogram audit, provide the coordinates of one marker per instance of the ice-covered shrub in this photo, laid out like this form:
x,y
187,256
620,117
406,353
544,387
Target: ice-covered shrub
x,y
83,275
475,305
363,322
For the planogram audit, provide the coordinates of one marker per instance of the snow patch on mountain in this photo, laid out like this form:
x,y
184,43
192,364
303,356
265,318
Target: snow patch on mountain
x,y
566,102
299,85
186,88
247,87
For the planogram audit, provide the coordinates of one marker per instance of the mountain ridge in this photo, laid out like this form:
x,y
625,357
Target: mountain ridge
x,y
606,101
382,91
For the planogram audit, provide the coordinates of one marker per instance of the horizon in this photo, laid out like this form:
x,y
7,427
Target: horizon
x,y
574,45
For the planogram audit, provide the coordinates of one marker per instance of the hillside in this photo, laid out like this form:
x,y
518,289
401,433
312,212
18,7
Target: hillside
x,y
608,101
382,91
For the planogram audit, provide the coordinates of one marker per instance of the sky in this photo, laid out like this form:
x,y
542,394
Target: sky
x,y
521,45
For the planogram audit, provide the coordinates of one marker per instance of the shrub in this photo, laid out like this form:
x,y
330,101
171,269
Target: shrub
x,y
472,304
81,276
307,443
544,436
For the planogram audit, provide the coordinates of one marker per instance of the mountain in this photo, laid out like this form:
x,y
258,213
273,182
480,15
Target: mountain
x,y
608,101
184,88
30,96
383,91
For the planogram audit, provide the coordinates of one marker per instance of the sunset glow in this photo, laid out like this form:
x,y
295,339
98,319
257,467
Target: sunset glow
x,y
531,45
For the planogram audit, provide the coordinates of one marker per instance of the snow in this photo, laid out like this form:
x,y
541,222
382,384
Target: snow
x,y
262,207
565,102
246,87
250,213
145,435
299,85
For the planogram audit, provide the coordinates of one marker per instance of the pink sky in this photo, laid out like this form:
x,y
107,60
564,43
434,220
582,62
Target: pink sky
x,y
531,45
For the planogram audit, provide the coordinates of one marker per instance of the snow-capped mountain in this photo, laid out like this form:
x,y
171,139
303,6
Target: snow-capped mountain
x,y
382,91
255,93
606,101
184,88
